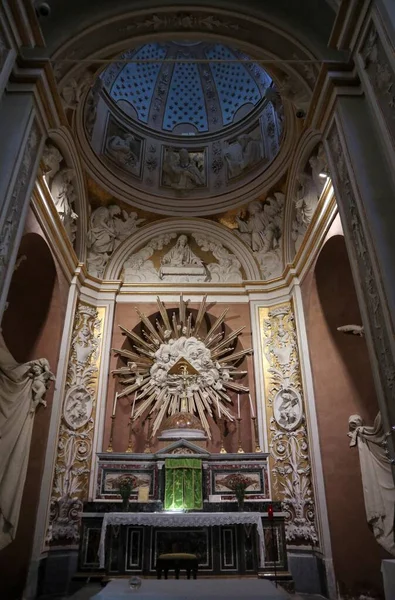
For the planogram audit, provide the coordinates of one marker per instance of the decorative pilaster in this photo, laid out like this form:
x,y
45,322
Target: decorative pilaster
x,y
72,468
286,418
373,304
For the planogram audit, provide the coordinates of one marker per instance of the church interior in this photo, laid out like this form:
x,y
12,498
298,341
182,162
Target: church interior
x,y
197,299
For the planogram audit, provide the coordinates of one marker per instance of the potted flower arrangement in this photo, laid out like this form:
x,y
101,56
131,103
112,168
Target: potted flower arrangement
x,y
238,483
125,488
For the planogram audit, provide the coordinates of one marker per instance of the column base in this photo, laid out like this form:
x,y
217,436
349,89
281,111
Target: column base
x,y
308,572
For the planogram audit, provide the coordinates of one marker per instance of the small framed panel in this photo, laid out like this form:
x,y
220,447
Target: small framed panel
x,y
275,553
110,475
184,169
89,547
228,549
123,148
134,549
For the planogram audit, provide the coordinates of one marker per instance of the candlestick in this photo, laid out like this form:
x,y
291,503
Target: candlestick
x,y
218,408
238,406
240,447
110,448
222,449
251,407
256,436
147,449
129,449
114,404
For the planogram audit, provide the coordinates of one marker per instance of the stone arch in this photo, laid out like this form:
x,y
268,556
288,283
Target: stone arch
x,y
219,232
343,385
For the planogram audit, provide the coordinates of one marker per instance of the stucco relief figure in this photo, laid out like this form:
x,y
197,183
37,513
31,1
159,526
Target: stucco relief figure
x,y
377,481
22,390
139,267
261,229
181,254
183,170
75,88
292,89
52,159
306,202
108,227
245,152
319,168
287,409
64,197
227,269
180,264
125,150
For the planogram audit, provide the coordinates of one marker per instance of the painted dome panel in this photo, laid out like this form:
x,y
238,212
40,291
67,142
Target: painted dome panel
x,y
186,87
185,100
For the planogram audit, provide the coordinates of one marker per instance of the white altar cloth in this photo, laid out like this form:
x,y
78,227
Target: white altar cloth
x,y
190,589
174,519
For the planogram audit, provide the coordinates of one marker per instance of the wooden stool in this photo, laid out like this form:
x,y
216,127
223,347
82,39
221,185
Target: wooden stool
x,y
166,562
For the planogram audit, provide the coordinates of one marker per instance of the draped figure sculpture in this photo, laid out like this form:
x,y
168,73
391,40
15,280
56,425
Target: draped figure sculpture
x,y
22,390
377,481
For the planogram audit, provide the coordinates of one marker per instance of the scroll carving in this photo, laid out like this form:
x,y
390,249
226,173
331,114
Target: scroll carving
x,y
72,470
287,431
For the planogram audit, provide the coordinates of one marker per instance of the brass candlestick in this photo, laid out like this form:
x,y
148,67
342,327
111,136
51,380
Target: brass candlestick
x,y
222,449
257,446
240,447
110,448
129,449
147,449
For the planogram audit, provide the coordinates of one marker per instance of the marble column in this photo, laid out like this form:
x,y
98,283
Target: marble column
x,y
19,156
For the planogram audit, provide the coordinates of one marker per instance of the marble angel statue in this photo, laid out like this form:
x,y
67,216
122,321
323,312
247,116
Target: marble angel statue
x,y
377,481
22,390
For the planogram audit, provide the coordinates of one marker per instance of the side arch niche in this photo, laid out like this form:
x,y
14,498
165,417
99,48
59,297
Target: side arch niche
x,y
231,260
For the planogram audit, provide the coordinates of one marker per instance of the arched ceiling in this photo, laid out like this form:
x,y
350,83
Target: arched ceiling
x,y
310,21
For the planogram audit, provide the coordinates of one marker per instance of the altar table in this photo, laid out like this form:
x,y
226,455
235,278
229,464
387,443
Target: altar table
x,y
188,589
174,519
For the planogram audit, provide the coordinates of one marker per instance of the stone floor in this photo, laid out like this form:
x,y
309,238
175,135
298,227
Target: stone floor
x,y
90,589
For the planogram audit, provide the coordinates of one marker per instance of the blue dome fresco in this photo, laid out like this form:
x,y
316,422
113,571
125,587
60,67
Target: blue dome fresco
x,y
186,87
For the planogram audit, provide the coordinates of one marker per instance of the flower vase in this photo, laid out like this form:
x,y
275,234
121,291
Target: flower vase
x,y
240,504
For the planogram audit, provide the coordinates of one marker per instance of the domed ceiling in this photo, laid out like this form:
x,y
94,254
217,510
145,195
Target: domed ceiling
x,y
184,128
179,97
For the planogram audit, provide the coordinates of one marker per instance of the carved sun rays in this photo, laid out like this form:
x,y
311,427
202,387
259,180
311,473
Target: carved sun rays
x,y
151,374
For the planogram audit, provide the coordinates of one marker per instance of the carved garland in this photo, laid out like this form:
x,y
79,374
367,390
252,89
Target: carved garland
x,y
287,432
71,477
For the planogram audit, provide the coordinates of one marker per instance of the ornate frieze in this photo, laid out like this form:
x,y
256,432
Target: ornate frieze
x,y
286,417
74,452
183,21
8,233
368,274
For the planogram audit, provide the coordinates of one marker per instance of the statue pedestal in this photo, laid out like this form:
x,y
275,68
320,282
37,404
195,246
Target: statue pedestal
x,y
388,571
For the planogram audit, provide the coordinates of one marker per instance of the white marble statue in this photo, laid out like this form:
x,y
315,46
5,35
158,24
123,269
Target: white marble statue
x,y
377,481
139,268
108,227
245,152
306,201
352,330
22,390
261,229
180,264
183,170
125,150
64,197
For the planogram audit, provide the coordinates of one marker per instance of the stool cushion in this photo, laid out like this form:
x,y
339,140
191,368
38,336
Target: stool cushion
x,y
177,556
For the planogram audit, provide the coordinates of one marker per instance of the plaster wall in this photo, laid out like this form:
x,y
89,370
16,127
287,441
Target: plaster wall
x,y
343,386
125,315
32,327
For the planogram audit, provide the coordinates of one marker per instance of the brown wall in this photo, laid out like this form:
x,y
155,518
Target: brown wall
x,y
125,315
32,328
343,385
